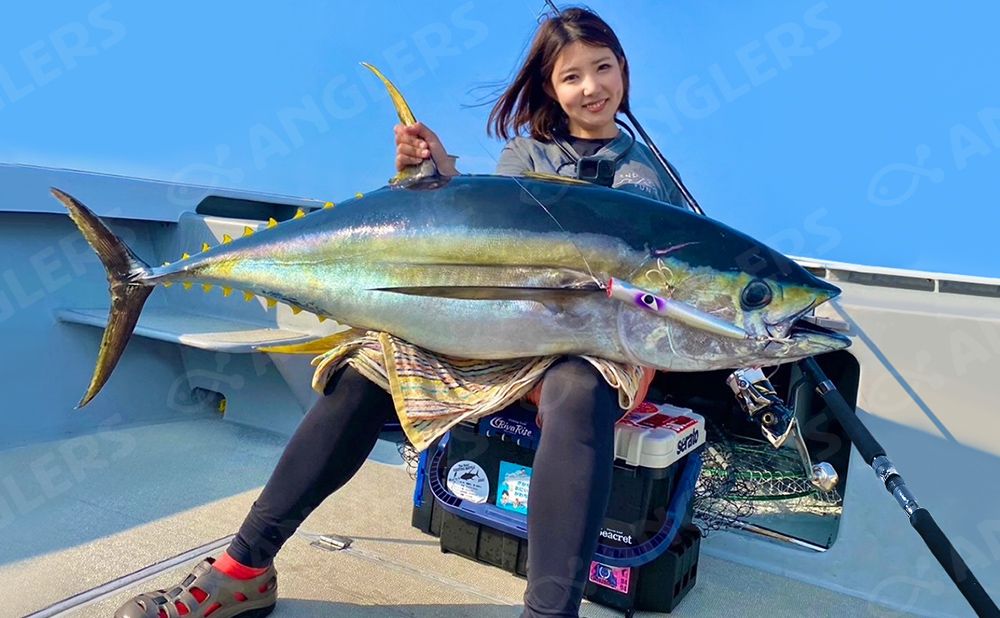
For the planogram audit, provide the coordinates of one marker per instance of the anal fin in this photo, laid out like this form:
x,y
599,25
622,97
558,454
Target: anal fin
x,y
314,346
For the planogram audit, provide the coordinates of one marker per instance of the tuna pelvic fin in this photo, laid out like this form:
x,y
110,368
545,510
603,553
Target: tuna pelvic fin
x,y
127,276
413,173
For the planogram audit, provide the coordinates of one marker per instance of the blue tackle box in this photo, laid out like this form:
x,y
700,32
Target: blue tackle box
x,y
472,491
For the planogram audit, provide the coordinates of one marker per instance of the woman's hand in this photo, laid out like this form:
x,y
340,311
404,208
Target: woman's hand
x,y
415,143
647,379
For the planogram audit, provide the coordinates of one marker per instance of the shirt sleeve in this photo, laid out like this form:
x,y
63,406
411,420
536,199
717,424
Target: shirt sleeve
x,y
513,160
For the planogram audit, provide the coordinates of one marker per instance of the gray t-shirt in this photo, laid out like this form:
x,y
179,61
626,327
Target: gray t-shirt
x,y
638,171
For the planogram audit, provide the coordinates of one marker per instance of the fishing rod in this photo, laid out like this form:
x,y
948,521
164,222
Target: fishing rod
x,y
649,143
869,448
875,456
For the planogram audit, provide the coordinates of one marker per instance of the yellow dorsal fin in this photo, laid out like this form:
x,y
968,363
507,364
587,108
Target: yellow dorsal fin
x,y
271,222
207,287
226,292
187,285
247,296
296,309
555,178
299,213
315,346
271,303
427,169
402,108
185,256
329,205
226,239
205,246
247,231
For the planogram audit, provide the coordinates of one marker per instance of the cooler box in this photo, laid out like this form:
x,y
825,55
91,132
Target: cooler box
x,y
472,490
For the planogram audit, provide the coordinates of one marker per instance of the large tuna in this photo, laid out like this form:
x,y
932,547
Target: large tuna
x,y
492,267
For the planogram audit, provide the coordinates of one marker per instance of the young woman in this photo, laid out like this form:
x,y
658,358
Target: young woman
x,y
566,95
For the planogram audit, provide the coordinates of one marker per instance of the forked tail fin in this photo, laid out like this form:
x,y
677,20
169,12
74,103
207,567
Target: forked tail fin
x,y
128,283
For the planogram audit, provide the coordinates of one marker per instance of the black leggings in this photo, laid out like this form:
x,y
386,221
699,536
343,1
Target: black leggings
x,y
570,485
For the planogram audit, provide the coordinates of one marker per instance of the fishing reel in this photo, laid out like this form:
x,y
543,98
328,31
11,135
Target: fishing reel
x,y
764,407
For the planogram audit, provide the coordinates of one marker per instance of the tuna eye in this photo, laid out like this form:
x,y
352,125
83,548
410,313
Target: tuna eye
x,y
756,295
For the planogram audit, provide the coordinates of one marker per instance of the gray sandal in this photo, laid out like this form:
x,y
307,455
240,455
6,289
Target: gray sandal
x,y
222,596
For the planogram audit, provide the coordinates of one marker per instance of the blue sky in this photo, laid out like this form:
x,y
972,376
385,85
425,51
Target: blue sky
x,y
848,131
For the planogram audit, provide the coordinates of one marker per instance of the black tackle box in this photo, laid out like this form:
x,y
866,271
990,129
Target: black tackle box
x,y
472,491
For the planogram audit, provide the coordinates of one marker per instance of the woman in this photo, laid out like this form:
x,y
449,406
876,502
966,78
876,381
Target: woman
x,y
567,94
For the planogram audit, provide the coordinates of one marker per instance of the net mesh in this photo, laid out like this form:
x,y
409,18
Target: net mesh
x,y
742,477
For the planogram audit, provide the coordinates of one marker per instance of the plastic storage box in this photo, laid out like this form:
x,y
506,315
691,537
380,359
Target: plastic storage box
x,y
472,491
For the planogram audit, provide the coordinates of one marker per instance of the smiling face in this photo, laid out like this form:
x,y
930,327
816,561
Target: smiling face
x,y
587,83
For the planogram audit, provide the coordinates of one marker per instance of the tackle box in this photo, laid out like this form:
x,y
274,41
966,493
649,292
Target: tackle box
x,y
472,492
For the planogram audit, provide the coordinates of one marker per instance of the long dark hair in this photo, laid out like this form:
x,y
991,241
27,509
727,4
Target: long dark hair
x,y
526,102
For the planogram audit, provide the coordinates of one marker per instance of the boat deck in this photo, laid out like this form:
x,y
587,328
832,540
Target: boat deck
x,y
149,501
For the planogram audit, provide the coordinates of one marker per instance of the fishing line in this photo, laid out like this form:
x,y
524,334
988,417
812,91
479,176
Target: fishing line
x,y
599,283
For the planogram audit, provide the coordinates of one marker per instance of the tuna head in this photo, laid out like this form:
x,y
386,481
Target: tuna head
x,y
723,300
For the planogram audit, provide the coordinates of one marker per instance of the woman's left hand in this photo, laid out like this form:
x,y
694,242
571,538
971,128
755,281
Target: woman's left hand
x,y
647,379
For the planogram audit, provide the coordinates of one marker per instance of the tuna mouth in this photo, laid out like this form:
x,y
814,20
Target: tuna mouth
x,y
806,330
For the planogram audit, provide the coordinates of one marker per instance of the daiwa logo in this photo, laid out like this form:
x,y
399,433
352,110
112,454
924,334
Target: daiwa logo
x,y
510,427
614,535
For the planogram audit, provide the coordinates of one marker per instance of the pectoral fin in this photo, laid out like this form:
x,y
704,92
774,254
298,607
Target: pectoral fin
x,y
550,297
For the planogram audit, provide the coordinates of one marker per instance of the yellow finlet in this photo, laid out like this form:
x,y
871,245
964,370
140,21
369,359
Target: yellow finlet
x,y
207,287
187,285
166,263
185,256
167,284
321,318
247,231
271,222
296,309
271,303
329,205
226,292
316,346
358,196
226,239
205,247
299,213
247,296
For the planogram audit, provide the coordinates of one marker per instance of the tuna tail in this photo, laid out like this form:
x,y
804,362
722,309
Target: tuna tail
x,y
128,281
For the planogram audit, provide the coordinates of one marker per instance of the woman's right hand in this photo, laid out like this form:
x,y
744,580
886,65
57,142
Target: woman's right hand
x,y
416,142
